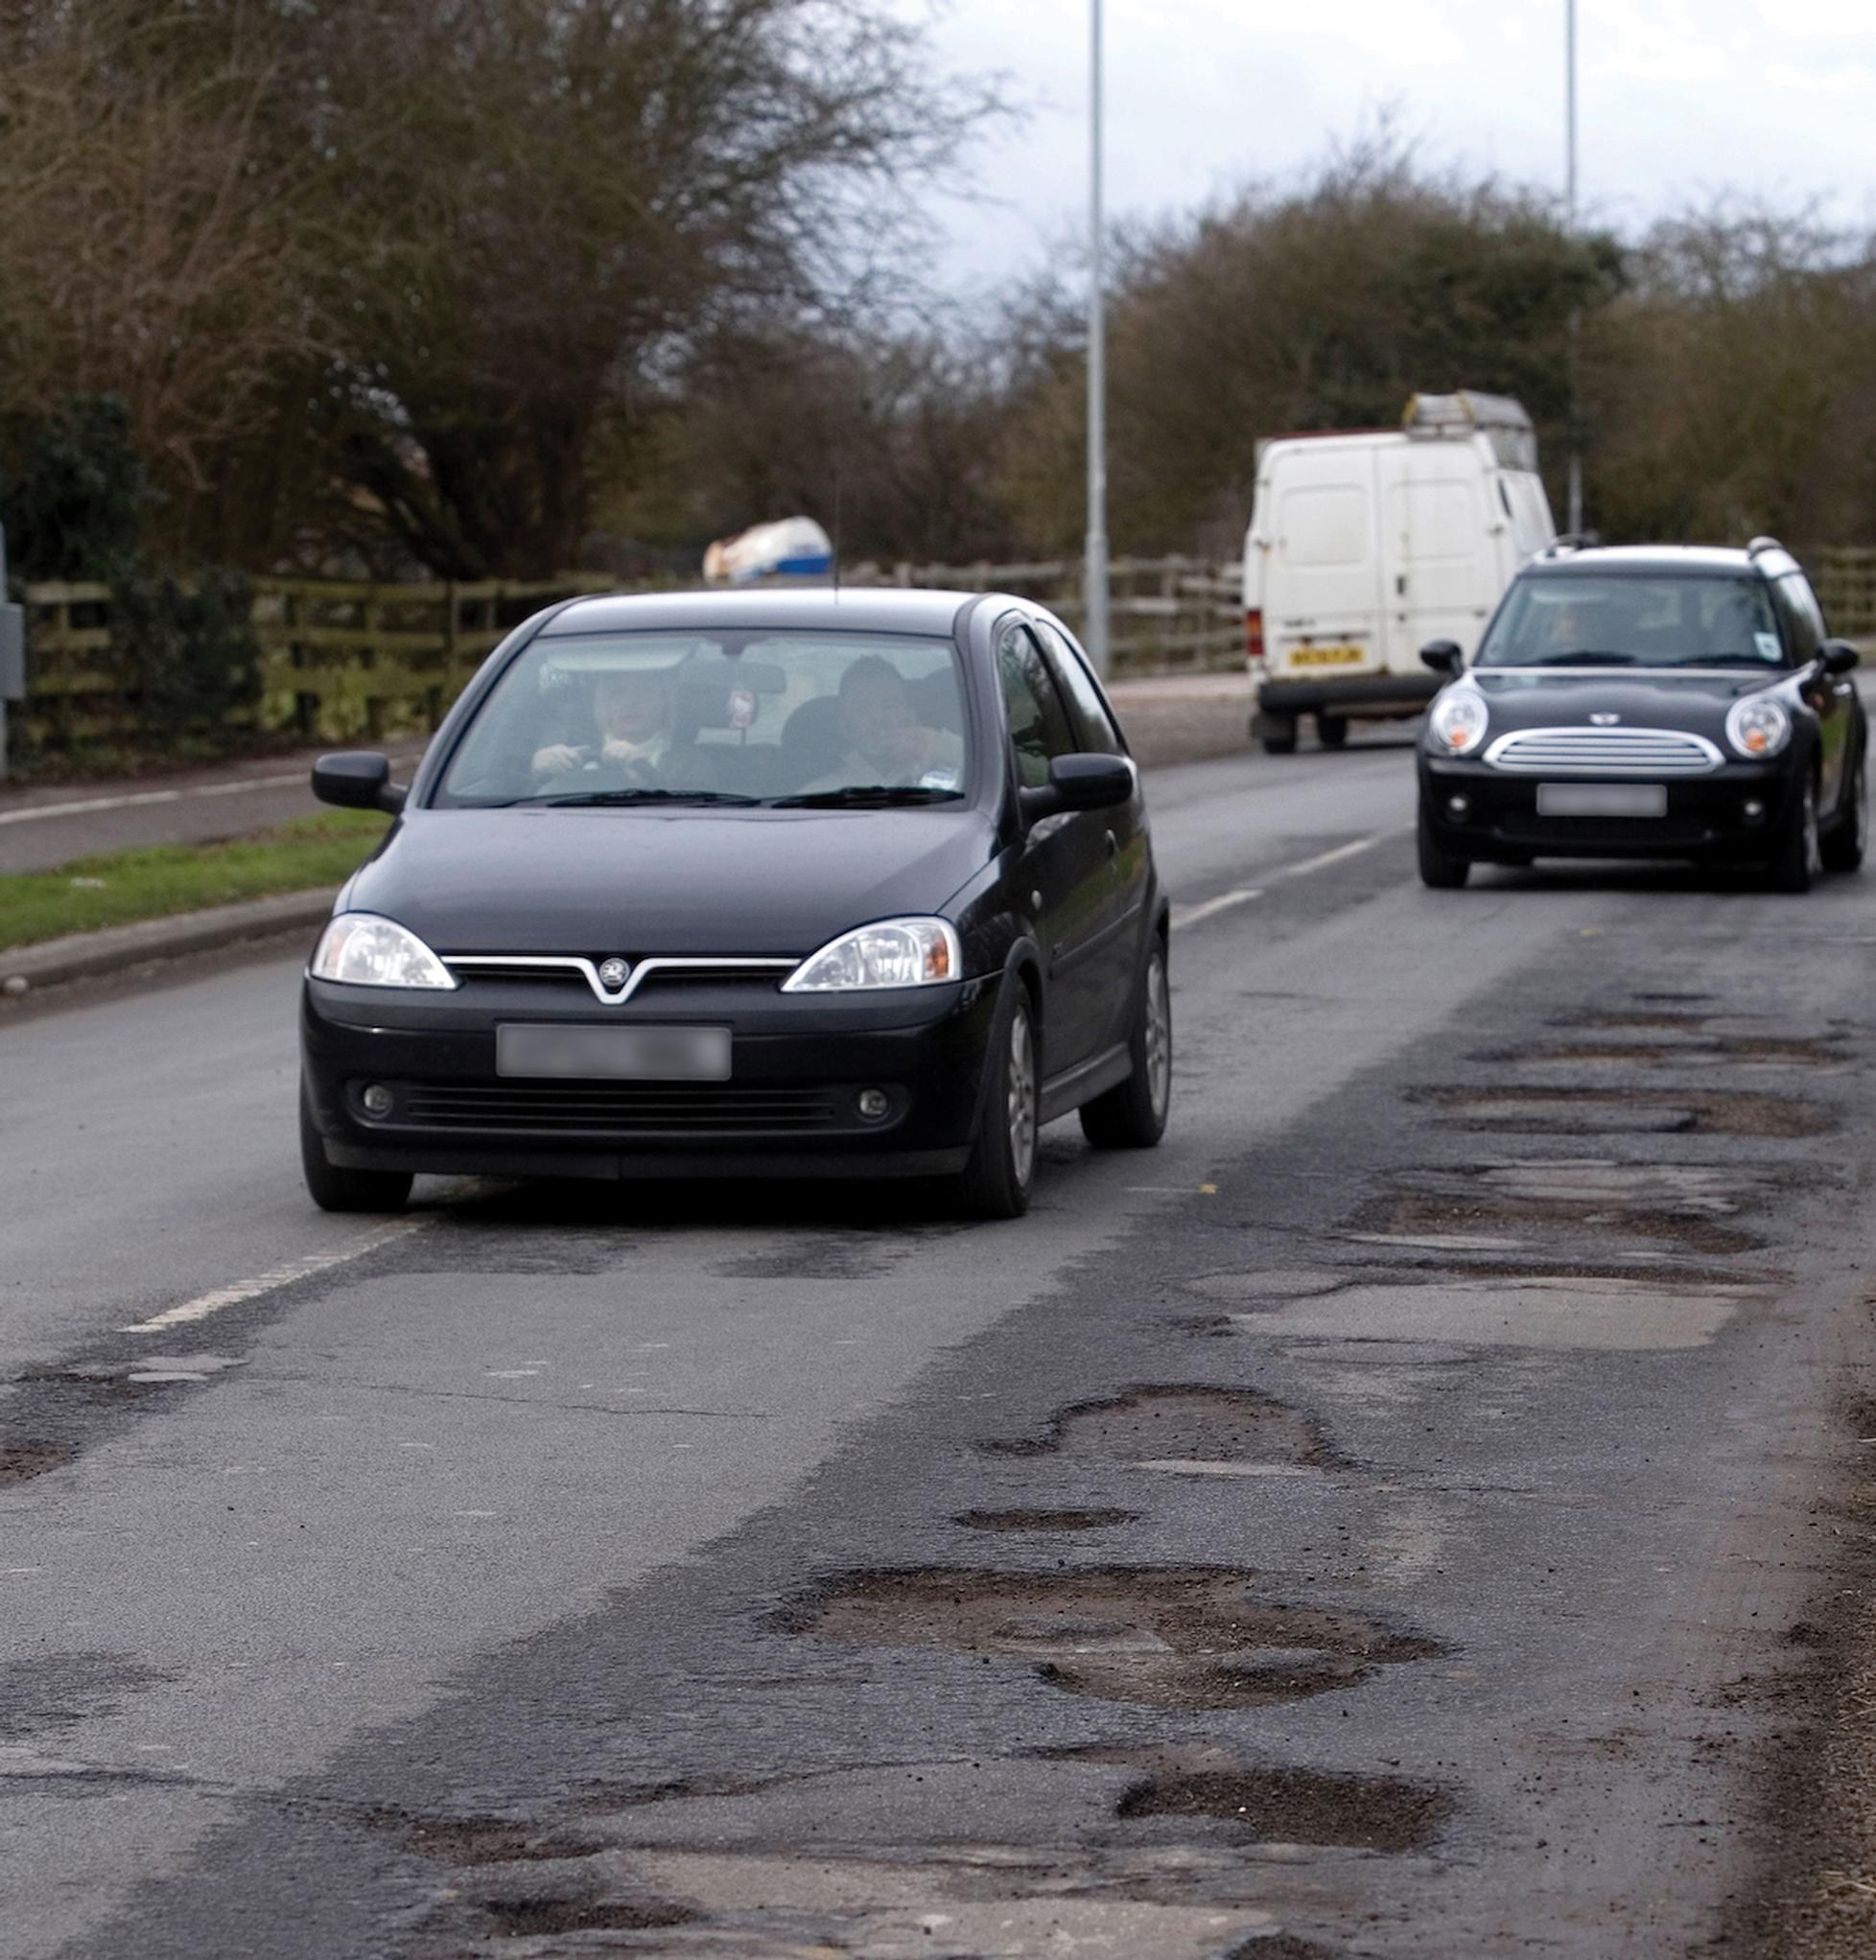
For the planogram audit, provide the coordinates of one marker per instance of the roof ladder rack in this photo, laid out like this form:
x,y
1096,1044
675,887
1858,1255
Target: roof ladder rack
x,y
1759,544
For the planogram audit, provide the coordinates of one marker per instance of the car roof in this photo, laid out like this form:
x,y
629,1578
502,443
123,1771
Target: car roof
x,y
850,609
1688,561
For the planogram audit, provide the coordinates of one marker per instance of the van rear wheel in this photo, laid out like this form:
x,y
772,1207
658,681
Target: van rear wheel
x,y
1278,733
1331,729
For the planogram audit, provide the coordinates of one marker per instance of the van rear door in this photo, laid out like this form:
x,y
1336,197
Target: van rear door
x,y
1438,561
1321,586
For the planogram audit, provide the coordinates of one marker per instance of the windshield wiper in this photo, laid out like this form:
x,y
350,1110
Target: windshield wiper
x,y
591,798
1584,657
863,796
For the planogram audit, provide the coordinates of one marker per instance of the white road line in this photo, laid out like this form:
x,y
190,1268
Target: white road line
x,y
1190,915
86,805
1335,856
205,1304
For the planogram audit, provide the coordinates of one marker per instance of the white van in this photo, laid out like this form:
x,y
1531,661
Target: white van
x,y
1364,546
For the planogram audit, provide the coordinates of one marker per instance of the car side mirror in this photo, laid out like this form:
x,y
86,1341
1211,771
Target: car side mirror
x,y
1081,782
358,779
1839,656
1444,656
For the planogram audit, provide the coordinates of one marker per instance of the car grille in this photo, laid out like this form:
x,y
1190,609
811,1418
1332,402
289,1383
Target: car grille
x,y
582,1108
1643,750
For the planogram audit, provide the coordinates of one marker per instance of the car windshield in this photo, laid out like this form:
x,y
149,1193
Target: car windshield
x,y
1674,621
667,720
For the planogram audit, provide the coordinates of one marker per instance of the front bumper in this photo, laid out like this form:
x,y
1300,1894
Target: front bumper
x,y
789,1108
1734,813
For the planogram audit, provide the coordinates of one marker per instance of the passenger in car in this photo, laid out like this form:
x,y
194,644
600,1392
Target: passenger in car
x,y
884,741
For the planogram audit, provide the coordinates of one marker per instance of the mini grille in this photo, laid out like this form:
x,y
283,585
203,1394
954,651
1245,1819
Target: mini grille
x,y
614,1108
1645,751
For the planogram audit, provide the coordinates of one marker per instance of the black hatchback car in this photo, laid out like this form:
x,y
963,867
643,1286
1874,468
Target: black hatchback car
x,y
799,883
1649,702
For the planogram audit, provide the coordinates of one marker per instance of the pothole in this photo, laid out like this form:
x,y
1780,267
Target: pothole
x,y
1297,1806
1590,1112
1044,1521
478,1840
21,1462
1706,1051
1282,1946
531,1918
1417,1216
1203,1425
1184,1637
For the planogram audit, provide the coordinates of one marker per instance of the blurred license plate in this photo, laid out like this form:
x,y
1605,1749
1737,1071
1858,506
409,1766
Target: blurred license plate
x,y
1602,800
1325,657
614,1054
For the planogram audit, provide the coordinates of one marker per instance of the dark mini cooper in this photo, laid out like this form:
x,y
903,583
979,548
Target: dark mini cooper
x,y
1649,702
805,883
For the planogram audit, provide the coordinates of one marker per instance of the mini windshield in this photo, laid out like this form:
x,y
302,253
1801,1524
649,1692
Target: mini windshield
x,y
1666,622
759,717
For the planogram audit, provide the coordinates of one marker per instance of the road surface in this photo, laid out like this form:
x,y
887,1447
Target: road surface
x,y
1404,1515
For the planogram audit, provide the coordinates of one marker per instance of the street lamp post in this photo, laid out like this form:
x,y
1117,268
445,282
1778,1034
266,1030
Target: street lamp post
x,y
1095,632
1575,525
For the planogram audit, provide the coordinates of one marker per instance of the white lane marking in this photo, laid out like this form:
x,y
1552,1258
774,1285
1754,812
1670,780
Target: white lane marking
x,y
212,1302
1335,856
86,805
1190,915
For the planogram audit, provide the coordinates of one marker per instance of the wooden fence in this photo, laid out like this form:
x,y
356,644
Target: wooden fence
x,y
353,662
1845,576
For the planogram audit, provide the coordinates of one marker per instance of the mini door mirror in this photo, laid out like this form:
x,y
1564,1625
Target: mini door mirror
x,y
1839,656
1442,655
358,779
1081,782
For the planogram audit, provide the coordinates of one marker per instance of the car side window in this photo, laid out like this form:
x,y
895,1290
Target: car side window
x,y
1039,723
1095,725
1806,616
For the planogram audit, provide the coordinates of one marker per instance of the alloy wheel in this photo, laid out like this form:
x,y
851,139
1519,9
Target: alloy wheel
x,y
1159,1037
1022,1109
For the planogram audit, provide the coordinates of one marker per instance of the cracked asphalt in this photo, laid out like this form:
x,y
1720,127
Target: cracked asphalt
x,y
1418,1511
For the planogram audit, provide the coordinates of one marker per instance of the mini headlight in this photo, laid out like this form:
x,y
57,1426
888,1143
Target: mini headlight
x,y
896,952
1458,722
1758,727
361,949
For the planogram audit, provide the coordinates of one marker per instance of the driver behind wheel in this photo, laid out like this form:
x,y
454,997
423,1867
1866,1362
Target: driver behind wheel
x,y
634,717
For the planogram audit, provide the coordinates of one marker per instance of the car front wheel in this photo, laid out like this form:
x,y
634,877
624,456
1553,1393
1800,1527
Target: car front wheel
x,y
1798,860
996,1183
1440,869
333,1187
1132,1116
1843,848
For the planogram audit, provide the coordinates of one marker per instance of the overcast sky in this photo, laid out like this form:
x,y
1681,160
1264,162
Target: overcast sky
x,y
1679,100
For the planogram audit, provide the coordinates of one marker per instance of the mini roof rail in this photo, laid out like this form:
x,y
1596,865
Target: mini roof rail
x,y
1759,544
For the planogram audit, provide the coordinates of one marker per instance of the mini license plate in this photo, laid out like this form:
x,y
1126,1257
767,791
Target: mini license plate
x,y
594,1054
1325,657
1601,799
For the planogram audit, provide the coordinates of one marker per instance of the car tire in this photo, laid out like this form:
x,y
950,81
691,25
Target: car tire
x,y
1278,733
1132,1116
334,1188
1440,869
1331,729
1796,864
1843,848
997,1181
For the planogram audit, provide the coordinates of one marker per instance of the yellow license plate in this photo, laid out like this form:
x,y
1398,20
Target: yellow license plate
x,y
1326,657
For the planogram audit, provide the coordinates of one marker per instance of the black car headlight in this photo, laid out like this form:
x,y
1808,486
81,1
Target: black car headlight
x,y
894,952
1456,724
1758,727
361,949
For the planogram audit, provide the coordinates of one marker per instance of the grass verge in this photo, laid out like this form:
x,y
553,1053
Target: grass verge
x,y
120,887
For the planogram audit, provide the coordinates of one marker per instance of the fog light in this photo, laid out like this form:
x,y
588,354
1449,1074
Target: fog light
x,y
873,1104
1458,808
377,1100
1753,810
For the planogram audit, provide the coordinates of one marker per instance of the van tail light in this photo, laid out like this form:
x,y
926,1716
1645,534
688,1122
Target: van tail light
x,y
1254,636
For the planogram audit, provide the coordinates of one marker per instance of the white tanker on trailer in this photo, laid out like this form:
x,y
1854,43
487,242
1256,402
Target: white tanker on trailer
x,y
1365,546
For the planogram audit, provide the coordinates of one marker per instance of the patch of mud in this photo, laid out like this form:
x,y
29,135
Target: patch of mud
x,y
470,1841
1184,1637
1573,1112
1432,1214
1191,1424
532,1918
1044,1521
21,1462
1298,1805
